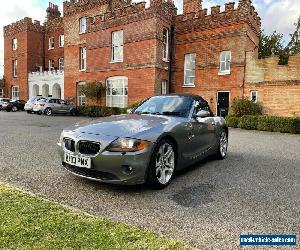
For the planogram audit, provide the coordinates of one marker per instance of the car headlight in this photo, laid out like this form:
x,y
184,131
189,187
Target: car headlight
x,y
61,138
127,145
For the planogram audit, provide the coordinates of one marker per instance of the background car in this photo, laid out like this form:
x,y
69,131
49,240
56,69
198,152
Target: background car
x,y
30,103
52,106
14,105
162,135
2,100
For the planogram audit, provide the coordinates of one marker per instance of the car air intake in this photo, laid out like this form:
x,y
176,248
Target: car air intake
x,y
88,148
69,144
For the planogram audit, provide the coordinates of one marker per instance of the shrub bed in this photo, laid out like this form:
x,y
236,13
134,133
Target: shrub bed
x,y
266,123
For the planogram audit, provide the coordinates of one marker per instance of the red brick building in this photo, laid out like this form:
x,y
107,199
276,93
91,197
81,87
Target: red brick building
x,y
137,51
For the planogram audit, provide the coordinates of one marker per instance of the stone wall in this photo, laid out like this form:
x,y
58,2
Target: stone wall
x,y
278,86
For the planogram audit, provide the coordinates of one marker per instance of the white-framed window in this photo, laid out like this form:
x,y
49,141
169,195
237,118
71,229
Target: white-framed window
x,y
225,61
83,58
61,41
165,44
164,87
15,93
254,96
61,63
82,25
15,68
14,44
117,38
51,43
1,92
81,100
117,92
51,64
189,69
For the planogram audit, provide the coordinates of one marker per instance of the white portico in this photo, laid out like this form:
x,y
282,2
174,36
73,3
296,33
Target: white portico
x,y
46,83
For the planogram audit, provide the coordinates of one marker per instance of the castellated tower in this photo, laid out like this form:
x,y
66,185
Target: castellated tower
x,y
23,52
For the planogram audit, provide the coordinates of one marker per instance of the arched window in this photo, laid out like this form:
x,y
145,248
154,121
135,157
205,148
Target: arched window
x,y
117,91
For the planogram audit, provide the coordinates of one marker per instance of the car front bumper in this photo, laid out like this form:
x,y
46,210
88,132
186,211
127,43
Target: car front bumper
x,y
111,167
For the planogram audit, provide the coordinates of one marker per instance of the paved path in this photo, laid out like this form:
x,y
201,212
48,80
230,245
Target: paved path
x,y
255,190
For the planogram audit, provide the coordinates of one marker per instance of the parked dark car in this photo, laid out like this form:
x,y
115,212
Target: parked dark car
x,y
14,105
162,135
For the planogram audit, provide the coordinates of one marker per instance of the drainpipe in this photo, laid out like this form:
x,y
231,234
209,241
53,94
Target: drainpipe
x,y
171,59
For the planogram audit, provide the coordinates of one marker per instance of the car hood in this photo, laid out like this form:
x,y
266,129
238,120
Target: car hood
x,y
132,125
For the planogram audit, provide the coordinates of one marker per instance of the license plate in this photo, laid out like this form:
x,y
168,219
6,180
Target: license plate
x,y
78,161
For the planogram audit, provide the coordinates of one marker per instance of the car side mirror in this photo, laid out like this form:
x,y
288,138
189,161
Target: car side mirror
x,y
129,111
202,114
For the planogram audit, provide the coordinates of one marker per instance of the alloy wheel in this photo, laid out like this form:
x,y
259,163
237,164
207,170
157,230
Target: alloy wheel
x,y
165,163
223,144
14,109
48,111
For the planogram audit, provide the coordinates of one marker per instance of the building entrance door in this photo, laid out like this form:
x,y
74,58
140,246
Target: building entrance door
x,y
223,103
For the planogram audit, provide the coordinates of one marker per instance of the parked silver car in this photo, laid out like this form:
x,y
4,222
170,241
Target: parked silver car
x,y
162,135
50,106
30,103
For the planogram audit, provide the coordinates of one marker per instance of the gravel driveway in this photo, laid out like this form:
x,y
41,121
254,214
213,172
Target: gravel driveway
x,y
255,190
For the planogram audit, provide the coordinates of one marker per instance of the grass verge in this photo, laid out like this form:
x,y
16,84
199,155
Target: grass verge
x,y
29,222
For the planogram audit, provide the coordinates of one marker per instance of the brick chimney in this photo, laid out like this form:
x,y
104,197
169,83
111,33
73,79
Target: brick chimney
x,y
52,12
190,6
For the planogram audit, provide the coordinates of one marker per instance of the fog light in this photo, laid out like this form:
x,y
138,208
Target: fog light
x,y
127,169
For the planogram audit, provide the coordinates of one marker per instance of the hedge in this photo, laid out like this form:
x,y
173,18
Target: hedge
x,y
100,111
266,123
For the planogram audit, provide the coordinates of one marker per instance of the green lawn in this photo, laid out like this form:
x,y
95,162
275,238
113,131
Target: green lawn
x,y
29,222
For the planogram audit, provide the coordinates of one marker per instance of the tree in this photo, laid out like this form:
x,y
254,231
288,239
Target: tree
x,y
294,44
94,90
272,44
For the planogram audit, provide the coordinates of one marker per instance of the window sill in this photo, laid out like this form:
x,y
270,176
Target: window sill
x,y
188,86
50,48
116,61
165,60
81,33
82,70
224,73
60,46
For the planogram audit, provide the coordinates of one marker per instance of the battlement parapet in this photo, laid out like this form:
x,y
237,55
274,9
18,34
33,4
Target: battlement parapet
x,y
132,12
25,24
201,19
56,24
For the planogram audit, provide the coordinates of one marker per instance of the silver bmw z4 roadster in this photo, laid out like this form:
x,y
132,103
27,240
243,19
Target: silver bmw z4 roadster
x,y
162,135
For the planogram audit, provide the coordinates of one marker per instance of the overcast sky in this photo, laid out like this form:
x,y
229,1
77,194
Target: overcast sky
x,y
276,14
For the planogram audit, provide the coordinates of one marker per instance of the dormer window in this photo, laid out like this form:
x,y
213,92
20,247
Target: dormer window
x,y
82,25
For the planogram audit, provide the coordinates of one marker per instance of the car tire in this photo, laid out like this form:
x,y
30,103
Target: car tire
x,y
48,112
223,145
162,165
73,112
14,109
28,112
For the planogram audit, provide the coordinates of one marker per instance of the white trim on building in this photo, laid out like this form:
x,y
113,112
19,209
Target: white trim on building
x,y
49,83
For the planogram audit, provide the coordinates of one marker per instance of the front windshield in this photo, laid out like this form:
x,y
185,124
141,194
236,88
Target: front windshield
x,y
166,105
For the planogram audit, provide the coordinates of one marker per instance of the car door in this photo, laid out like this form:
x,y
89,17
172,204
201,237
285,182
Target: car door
x,y
64,108
203,130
